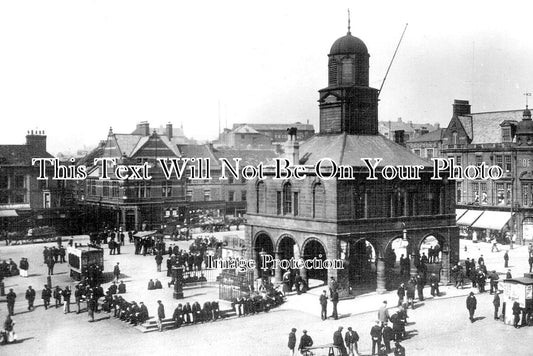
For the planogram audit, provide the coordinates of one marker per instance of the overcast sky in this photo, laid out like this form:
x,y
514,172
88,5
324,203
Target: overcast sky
x,y
74,68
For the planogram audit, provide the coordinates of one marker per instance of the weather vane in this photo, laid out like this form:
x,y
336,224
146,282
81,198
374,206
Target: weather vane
x,y
526,95
349,22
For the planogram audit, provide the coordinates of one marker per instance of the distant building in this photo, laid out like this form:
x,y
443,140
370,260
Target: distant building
x,y
428,145
26,202
265,136
155,203
401,132
500,207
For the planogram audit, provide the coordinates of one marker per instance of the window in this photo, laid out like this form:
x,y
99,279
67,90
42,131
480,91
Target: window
x,y
508,194
507,163
347,70
429,153
105,188
484,196
525,194
207,195
479,160
46,200
260,194
230,179
188,195
166,189
114,189
19,182
458,160
506,134
243,195
143,189
3,181
499,161
500,194
459,186
455,140
295,203
4,199
242,136
416,152
287,199
18,199
278,203
332,72
231,195
475,190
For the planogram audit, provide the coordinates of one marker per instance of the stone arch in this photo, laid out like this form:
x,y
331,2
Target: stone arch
x,y
285,247
314,248
262,244
361,257
318,199
433,240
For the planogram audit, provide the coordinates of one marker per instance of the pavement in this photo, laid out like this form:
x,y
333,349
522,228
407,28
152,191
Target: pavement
x,y
437,326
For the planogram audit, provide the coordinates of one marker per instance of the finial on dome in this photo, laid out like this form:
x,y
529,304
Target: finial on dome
x,y
349,33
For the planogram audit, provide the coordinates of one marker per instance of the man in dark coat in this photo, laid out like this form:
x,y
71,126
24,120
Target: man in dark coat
x,y
10,297
292,341
471,305
30,297
351,338
143,313
334,299
388,336
324,305
46,294
401,294
178,316
158,284
375,334
57,296
158,261
121,288
506,259
305,342
516,313
434,283
496,303
78,296
399,350
50,263
151,285
160,315
116,271
338,341
113,288
196,312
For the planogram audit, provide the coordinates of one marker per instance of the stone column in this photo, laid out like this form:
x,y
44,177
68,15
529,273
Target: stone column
x,y
392,197
123,211
445,267
380,278
278,273
405,203
366,204
177,274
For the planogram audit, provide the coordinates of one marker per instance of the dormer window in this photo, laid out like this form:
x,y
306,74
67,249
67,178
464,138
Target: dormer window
x,y
506,134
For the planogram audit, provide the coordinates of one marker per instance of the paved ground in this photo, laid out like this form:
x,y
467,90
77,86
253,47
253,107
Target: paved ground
x,y
438,326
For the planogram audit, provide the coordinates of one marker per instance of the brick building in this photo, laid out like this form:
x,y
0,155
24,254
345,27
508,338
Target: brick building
x,y
500,207
358,221
428,145
26,202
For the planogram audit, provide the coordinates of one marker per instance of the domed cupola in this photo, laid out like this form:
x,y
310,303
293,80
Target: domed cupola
x,y
348,61
524,129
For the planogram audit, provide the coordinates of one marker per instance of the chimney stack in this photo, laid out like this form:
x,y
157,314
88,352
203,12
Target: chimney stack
x,y
461,107
169,131
36,141
292,147
398,137
143,128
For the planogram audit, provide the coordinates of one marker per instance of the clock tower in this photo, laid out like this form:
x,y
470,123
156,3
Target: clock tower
x,y
348,104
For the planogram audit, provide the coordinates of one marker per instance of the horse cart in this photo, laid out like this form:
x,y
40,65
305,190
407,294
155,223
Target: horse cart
x,y
36,234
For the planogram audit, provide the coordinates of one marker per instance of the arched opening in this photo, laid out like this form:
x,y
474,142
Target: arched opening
x,y
260,193
362,259
318,198
430,255
311,250
263,246
286,248
287,199
397,262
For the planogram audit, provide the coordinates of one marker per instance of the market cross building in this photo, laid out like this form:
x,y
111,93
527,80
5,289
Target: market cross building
x,y
365,223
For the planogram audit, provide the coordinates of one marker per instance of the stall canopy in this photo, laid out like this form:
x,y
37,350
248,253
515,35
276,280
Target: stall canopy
x,y
459,213
8,213
494,220
469,217
142,234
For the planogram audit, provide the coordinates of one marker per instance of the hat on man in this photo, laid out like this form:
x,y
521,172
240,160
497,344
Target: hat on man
x,y
293,330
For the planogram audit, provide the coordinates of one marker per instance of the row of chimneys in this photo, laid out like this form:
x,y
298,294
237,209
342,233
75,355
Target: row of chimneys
x,y
36,140
143,128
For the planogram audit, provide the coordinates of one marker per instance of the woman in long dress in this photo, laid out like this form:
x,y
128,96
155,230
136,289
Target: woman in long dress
x,y
8,329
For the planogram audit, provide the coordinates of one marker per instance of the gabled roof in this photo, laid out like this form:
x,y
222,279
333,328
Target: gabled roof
x,y
348,150
430,136
245,129
406,126
127,142
466,121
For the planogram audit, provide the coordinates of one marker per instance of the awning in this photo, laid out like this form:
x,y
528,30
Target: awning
x,y
459,213
469,217
8,213
494,220
145,233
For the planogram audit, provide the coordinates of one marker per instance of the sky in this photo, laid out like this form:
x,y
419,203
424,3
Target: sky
x,y
77,68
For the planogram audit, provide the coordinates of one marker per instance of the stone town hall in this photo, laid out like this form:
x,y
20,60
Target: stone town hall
x,y
359,221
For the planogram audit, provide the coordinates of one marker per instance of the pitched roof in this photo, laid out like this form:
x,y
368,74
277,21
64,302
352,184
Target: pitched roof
x,y
248,157
245,129
430,136
406,126
127,142
486,126
269,127
466,121
20,155
345,149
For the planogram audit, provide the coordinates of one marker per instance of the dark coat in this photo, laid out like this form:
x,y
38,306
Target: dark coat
x,y
161,311
351,337
323,300
30,294
292,340
337,339
471,303
305,342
